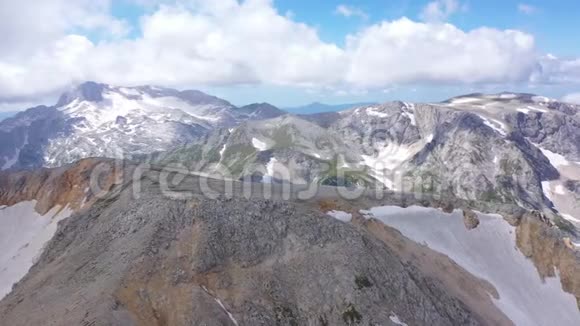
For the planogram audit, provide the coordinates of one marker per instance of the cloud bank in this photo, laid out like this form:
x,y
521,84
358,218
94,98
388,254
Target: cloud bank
x,y
572,98
204,42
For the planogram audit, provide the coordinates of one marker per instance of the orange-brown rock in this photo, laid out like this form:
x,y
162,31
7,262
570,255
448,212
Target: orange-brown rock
x,y
65,186
542,243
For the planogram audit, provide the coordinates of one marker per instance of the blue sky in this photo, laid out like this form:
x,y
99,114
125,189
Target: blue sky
x,y
292,52
554,23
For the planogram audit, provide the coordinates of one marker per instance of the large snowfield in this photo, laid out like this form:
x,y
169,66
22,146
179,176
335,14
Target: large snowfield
x,y
489,252
23,236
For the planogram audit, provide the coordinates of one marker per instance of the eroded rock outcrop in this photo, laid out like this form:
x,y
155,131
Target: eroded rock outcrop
x,y
69,186
544,245
470,219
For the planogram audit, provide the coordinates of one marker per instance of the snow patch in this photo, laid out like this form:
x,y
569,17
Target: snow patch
x,y
395,319
508,96
340,215
129,91
409,112
464,100
259,145
541,99
495,125
524,111
389,157
556,159
560,190
533,108
23,235
411,117
488,252
570,218
170,102
222,151
529,109
374,112
547,190
270,170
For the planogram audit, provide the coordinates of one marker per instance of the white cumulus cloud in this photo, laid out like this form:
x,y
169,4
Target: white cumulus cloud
x,y
404,51
555,70
572,98
349,11
207,43
440,10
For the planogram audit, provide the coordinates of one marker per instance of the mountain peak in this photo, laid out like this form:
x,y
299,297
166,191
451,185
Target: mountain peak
x,y
198,97
259,105
260,111
93,92
89,91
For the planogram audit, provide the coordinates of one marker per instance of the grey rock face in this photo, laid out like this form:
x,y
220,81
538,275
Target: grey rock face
x,y
573,186
557,131
24,137
472,160
481,148
470,219
88,91
259,111
267,262
324,119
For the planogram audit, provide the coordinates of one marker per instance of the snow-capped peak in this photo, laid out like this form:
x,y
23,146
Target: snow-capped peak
x,y
87,91
101,103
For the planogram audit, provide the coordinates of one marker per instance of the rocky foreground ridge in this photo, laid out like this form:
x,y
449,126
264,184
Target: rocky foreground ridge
x,y
185,259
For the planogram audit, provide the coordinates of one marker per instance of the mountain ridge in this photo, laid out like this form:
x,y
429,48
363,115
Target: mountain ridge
x,y
319,107
95,119
483,149
533,153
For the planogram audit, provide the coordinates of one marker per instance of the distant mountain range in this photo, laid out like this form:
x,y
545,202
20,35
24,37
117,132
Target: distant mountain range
x,y
318,107
507,148
4,115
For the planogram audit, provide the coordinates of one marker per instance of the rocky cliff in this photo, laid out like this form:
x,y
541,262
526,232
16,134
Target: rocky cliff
x,y
147,258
